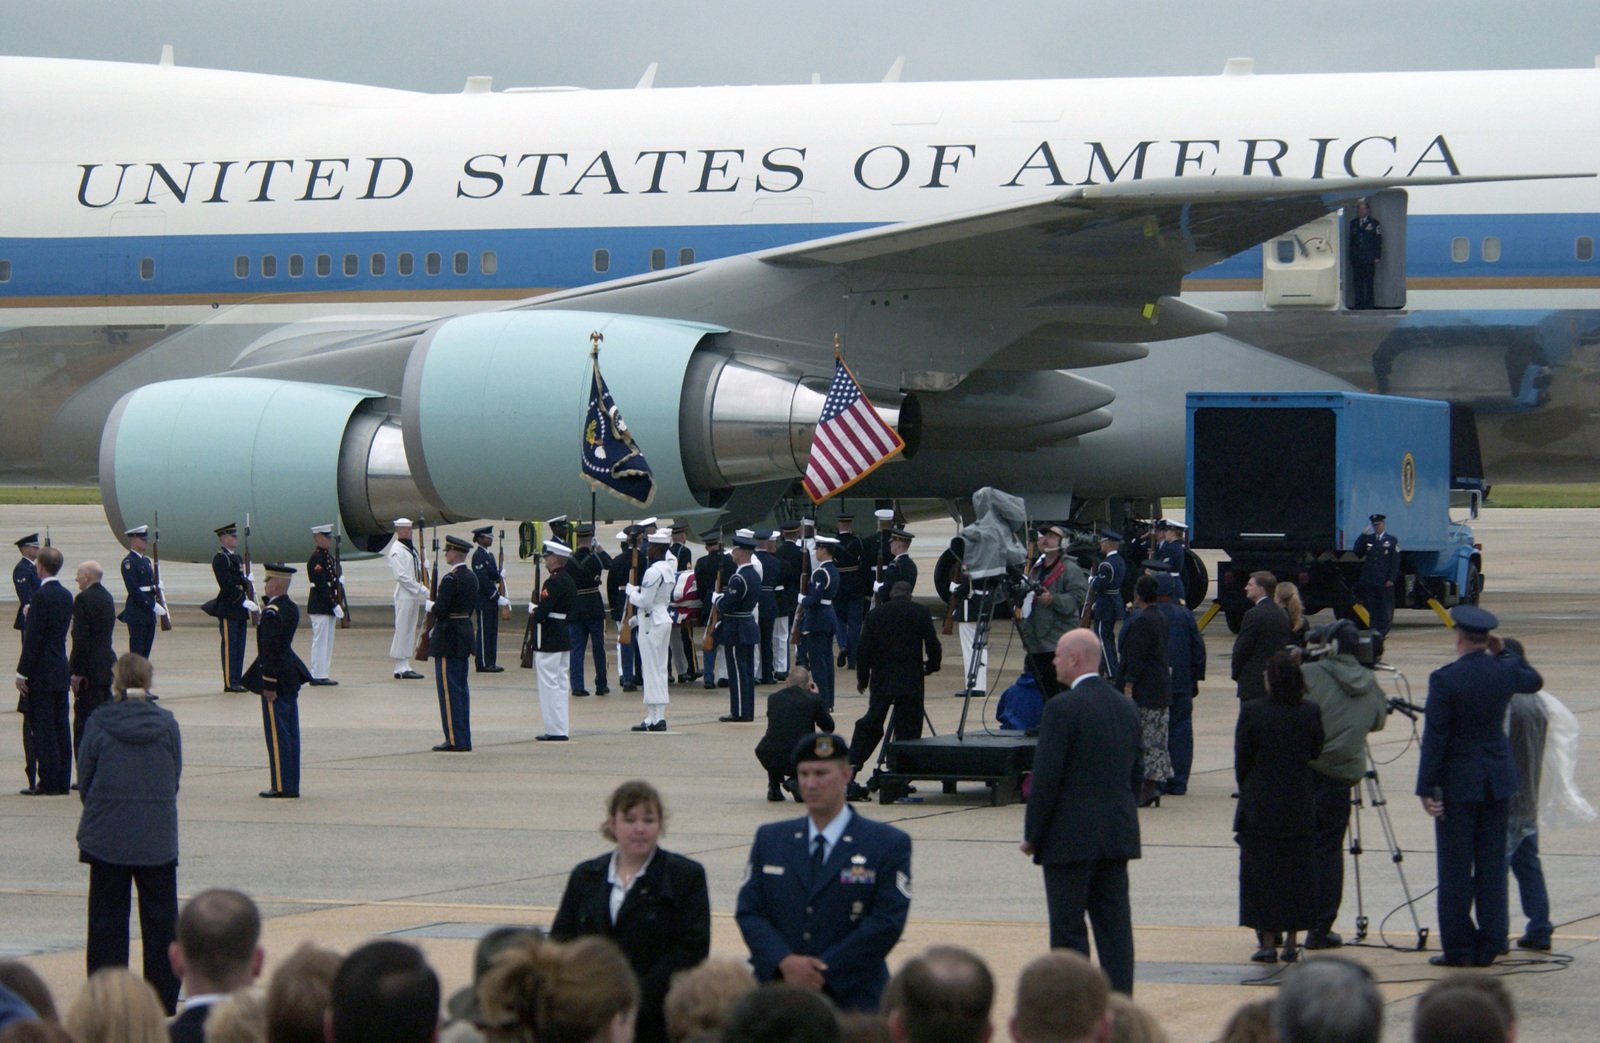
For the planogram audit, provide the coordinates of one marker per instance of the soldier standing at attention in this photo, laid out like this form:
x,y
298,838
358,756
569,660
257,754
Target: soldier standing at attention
x,y
558,598
711,574
233,605
650,599
1105,590
141,609
767,604
586,629
1366,249
25,577
450,645
486,612
820,621
683,660
901,569
738,631
1380,568
410,594
322,604
277,675
791,576
851,603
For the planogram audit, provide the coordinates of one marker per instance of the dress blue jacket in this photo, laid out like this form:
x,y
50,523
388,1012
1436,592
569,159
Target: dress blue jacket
x,y
1465,753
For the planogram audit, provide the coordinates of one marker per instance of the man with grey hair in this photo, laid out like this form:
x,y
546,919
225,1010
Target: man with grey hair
x,y
94,618
1328,1000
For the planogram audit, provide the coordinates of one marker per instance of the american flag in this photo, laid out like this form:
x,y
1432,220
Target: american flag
x,y
851,440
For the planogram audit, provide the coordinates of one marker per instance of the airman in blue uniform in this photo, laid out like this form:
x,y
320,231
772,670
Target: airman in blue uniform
x,y
821,622
1366,249
737,630
141,608
1105,592
1380,571
25,575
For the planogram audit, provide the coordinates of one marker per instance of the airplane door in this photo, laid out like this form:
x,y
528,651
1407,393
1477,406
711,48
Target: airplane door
x,y
134,275
1300,269
1388,209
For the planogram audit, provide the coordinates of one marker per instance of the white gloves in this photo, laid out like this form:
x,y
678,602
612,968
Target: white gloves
x,y
251,606
505,602
427,606
630,590
877,585
954,587
160,609
338,613
531,607
250,578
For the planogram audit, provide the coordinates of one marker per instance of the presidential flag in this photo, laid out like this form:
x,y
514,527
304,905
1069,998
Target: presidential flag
x,y
610,459
851,440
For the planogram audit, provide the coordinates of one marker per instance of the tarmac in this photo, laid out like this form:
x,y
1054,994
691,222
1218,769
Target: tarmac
x,y
392,839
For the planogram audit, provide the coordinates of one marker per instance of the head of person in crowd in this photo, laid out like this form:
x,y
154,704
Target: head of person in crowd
x,y
822,770
899,590
49,561
464,1005
29,987
32,1030
88,574
1061,998
29,546
131,676
1287,595
241,1018
942,996
1473,626
800,677
1260,585
384,992
1050,539
635,819
1145,590
1285,682
863,1026
1250,1023
581,991
116,1006
218,940
1131,1023
1328,1000
1443,1007
1077,653
297,995
1514,646
701,998
1458,1015
782,1013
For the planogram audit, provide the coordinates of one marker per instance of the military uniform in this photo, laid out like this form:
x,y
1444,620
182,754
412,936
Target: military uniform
x,y
650,600
231,610
1105,592
323,573
450,645
851,601
486,610
682,658
1380,574
139,610
276,675
766,609
410,595
711,575
625,567
819,623
558,599
25,578
738,632
1366,249
791,574
586,630
900,569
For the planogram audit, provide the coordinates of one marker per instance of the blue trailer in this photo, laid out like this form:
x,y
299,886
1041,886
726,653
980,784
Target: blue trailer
x,y
1285,482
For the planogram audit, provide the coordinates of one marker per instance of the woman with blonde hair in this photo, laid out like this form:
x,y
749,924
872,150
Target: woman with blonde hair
x,y
114,1006
1287,595
560,992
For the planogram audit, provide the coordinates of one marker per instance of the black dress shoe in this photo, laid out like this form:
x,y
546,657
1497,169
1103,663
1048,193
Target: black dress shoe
x,y
31,791
1291,953
711,685
1442,960
409,675
773,794
630,688
842,657
580,693
601,689
272,794
858,792
235,688
496,669
783,676
444,747
324,682
1533,943
1323,940
1265,954
642,726
661,726
550,738
793,786
723,683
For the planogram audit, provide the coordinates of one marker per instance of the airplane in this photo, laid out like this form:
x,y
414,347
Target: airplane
x,y
227,294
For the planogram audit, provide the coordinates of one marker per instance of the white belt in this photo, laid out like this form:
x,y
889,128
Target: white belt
x,y
827,601
556,615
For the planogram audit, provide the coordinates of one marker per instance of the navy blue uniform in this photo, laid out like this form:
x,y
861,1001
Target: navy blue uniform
x,y
486,611
228,568
44,665
278,669
767,616
1186,655
586,629
450,645
849,914
1366,249
853,588
711,575
25,577
819,626
1105,592
738,632
1380,573
901,570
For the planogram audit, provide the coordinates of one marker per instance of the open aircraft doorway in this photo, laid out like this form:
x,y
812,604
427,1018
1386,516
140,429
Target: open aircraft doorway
x,y
1388,209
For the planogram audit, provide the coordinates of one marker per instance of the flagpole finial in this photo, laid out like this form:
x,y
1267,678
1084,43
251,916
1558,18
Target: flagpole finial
x,y
595,337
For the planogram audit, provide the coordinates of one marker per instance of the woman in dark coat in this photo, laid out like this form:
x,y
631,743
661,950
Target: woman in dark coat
x,y
1144,673
651,903
128,769
1275,824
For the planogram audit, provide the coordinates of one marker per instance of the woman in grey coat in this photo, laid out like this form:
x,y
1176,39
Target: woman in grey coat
x,y
128,771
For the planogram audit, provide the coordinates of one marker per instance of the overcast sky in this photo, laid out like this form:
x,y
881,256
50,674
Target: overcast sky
x,y
435,44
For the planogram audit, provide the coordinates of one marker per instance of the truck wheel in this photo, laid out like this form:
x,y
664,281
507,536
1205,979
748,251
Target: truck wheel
x,y
1474,586
1196,579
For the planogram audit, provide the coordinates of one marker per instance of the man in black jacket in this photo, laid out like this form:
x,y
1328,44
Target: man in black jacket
x,y
43,677
1264,630
792,713
217,953
895,637
276,676
451,645
94,618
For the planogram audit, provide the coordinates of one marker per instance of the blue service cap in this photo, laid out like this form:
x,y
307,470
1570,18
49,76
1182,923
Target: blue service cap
x,y
741,539
1377,517
821,746
1111,534
763,535
486,530
1473,619
454,542
30,540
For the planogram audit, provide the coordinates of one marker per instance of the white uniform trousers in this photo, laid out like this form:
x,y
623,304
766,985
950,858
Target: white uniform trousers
x,y
679,661
780,644
554,670
969,632
321,646
407,618
653,638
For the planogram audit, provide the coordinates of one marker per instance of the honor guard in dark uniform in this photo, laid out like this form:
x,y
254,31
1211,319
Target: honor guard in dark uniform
x,y
819,620
791,577
685,661
737,629
825,897
853,585
141,609
1380,571
558,600
1176,556
450,645
486,611
767,605
25,578
1105,595
1366,250
323,573
711,575
629,563
953,584
232,606
586,630
276,676
900,567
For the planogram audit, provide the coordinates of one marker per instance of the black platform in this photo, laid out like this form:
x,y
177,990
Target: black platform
x,y
998,760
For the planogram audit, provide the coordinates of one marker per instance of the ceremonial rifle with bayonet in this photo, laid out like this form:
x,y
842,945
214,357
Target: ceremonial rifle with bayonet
x,y
529,635
339,597
424,639
249,584
500,581
155,576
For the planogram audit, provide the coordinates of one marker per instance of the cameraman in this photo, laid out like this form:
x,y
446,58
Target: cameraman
x,y
1352,705
1057,589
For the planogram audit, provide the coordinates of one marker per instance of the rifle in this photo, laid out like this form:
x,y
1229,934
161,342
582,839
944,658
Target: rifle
x,y
500,566
47,536
625,629
249,587
155,573
529,638
884,525
423,639
949,626
709,642
338,583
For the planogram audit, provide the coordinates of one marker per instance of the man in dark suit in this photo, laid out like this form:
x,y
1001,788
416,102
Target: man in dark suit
x,y
25,578
217,953
451,644
94,618
43,676
899,647
1264,630
1081,824
1465,777
792,714
276,676
825,897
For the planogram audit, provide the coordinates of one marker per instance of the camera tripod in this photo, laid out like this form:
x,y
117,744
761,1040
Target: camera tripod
x,y
1375,797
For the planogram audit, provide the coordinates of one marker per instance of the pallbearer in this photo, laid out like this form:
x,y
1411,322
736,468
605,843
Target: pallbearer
x,y
450,645
558,597
232,605
276,676
650,599
486,613
141,609
820,620
322,605
587,628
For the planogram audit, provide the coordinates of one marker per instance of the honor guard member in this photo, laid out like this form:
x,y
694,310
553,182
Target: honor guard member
x,y
410,595
232,606
626,567
558,599
900,569
851,602
819,620
683,660
825,896
737,629
586,630
486,613
25,577
450,644
767,604
1105,593
1167,585
954,583
791,576
323,573
1380,570
1176,557
276,676
141,609
711,575
650,599
1366,249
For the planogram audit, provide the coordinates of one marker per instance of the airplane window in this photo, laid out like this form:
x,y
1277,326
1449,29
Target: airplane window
x,y
458,263
1285,251
324,266
1491,248
1460,249
488,263
602,260
658,259
379,263
5,271
147,268
431,263
269,266
297,266
1584,248
352,264
241,267
404,265
685,256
